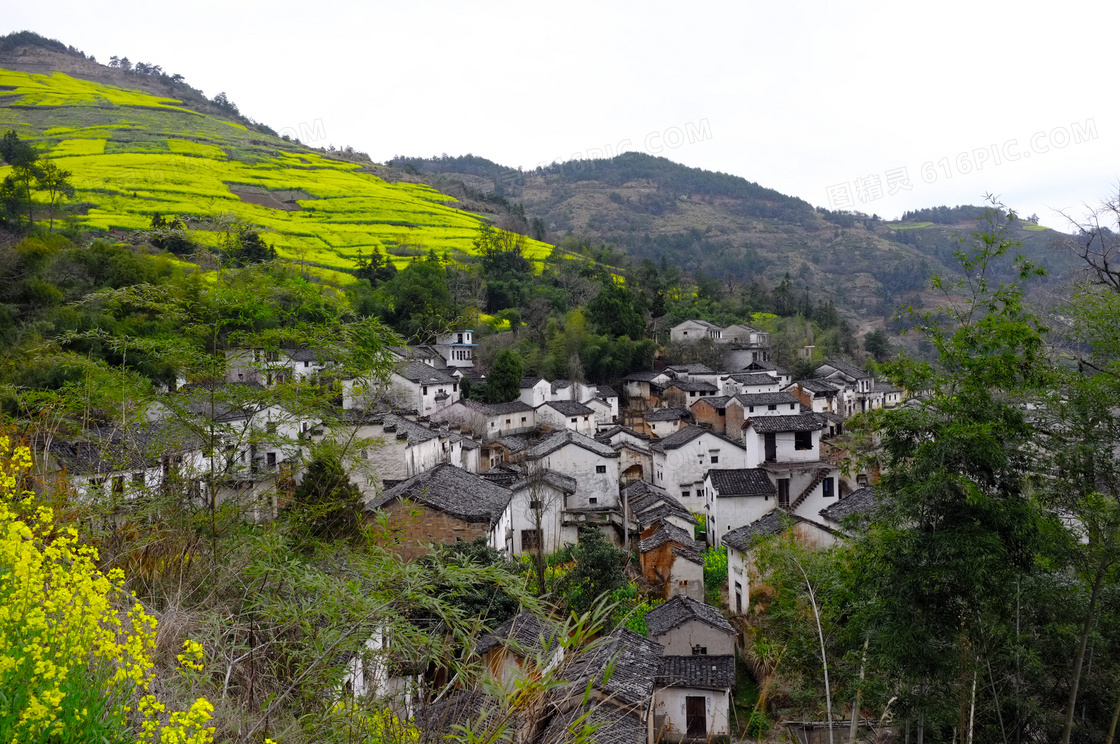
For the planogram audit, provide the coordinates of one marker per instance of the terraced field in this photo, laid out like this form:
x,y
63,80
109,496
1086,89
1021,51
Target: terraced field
x,y
133,155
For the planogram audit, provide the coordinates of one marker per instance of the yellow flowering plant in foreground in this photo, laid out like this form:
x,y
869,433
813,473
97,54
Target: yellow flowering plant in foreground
x,y
75,664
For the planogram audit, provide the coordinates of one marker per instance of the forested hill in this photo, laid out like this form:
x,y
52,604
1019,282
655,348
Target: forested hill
x,y
725,226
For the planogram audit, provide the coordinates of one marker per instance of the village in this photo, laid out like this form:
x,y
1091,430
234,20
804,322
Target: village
x,y
682,460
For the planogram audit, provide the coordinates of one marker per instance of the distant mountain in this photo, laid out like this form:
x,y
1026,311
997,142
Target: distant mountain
x,y
730,228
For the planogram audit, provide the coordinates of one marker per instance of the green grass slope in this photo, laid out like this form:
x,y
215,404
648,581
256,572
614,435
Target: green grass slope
x,y
134,154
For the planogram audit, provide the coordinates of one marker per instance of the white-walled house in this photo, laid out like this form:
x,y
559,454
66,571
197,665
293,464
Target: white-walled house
x,y
780,374
608,395
736,498
742,571
536,513
602,413
820,396
681,459
566,414
785,438
456,347
665,421
649,505
695,330
747,382
635,460
692,698
489,421
535,391
412,385
593,465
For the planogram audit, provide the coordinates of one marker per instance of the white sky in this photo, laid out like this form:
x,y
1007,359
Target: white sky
x,y
807,98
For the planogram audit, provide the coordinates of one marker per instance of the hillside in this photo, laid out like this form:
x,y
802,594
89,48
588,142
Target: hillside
x,y
727,227
134,154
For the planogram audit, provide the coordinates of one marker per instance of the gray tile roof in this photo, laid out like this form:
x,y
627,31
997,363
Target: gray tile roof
x,y
451,490
744,537
669,414
643,376
422,374
568,408
667,532
859,503
559,481
692,386
608,434
752,379
514,406
635,661
610,725
562,439
525,633
681,437
845,368
797,422
819,386
681,609
767,399
697,672
693,369
650,504
528,382
606,391
741,482
439,720
560,384
114,450
513,443
715,401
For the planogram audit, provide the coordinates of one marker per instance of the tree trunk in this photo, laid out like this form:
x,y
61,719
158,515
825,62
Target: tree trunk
x,y
1115,716
1102,568
855,704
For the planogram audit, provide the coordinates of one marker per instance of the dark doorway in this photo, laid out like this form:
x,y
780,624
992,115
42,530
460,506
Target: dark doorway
x,y
771,446
695,717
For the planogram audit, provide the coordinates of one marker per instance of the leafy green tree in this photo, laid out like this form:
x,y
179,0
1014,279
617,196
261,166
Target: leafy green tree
x,y
612,313
598,570
877,345
326,505
376,269
503,384
56,182
244,246
421,301
961,529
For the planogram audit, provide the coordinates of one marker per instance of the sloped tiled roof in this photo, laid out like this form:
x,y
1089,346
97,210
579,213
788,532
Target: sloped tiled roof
x,y
422,374
563,438
741,482
797,422
113,449
568,408
693,369
752,379
635,660
650,504
681,609
687,547
528,382
440,719
767,399
611,726
559,481
858,503
606,391
845,368
681,437
819,386
744,537
501,409
697,672
643,376
692,386
669,414
608,434
525,632
451,490
715,401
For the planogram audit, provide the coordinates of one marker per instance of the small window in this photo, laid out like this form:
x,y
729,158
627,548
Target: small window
x,y
698,650
600,468
827,488
685,494
138,478
772,407
593,500
535,504
752,409
523,419
425,390
715,459
306,364
803,440
573,421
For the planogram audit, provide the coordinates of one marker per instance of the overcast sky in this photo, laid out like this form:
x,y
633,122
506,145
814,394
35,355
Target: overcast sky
x,y
880,107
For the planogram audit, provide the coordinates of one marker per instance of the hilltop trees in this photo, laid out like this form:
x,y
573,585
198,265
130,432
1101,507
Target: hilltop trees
x,y
29,175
